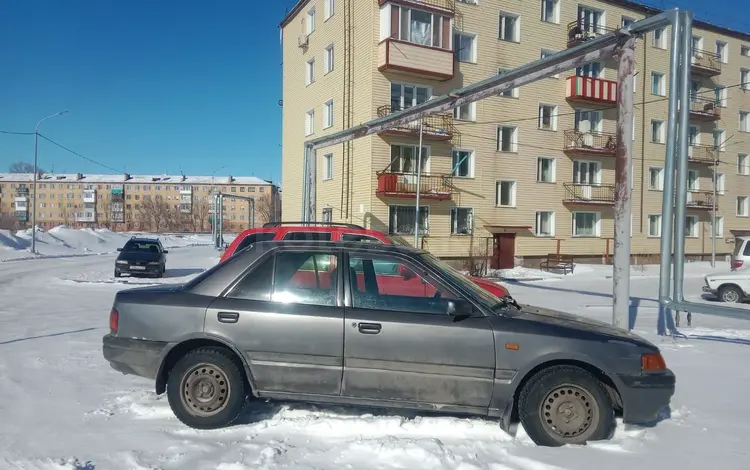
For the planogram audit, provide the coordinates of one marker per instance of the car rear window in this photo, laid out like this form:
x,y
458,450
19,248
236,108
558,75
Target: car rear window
x,y
254,238
309,236
141,246
354,237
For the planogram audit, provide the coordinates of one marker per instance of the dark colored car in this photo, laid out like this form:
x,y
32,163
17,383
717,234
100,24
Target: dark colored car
x,y
273,321
141,256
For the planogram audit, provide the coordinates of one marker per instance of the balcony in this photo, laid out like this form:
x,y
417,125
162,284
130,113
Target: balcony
x,y
435,127
592,143
591,90
415,59
21,194
700,200
21,216
89,196
577,193
706,154
85,216
702,109
186,208
704,63
442,6
581,31
404,185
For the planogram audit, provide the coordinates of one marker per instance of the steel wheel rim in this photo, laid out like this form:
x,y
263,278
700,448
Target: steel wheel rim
x,y
731,296
205,390
569,412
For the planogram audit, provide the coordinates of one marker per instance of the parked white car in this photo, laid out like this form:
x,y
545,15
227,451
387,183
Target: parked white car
x,y
740,260
732,287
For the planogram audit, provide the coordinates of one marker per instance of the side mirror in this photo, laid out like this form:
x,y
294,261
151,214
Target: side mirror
x,y
459,308
165,251
406,273
119,249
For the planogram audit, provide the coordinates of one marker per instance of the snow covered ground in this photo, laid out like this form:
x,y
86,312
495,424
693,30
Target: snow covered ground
x,y
64,408
66,242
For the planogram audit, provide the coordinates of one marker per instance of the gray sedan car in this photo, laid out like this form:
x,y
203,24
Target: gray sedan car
x,y
384,326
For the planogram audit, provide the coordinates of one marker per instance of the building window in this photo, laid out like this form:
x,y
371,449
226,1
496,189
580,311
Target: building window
x,y
509,27
462,220
742,208
550,11
587,121
416,26
401,220
310,122
546,53
505,194
657,131
626,22
692,180
721,51
328,166
328,9
466,112
327,215
586,224
310,21
744,121
719,140
720,183
466,47
587,172
694,136
656,179
743,164
545,170
507,139
745,79
745,51
697,48
510,93
691,226
547,117
310,73
463,163
406,96
328,59
328,114
659,38
720,92
545,224
654,225
657,84
719,226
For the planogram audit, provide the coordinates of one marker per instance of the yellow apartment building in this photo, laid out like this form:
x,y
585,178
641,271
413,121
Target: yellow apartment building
x,y
523,174
135,202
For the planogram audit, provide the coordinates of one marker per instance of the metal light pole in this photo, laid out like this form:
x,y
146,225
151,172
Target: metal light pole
x,y
213,204
33,200
713,215
419,182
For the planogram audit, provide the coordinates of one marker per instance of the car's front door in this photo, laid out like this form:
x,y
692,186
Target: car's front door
x,y
286,317
405,346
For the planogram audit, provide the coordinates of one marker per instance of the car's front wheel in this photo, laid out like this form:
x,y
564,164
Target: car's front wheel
x,y
566,405
730,294
206,389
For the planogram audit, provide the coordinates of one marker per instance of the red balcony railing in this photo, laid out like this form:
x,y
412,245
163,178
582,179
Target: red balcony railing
x,y
599,143
581,31
591,89
704,110
578,193
435,127
431,186
705,63
703,154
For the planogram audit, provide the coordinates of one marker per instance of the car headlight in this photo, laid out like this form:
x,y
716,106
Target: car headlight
x,y
119,261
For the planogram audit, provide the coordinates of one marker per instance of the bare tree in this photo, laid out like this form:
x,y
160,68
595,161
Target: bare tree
x,y
201,212
104,207
266,210
153,215
8,222
23,167
67,213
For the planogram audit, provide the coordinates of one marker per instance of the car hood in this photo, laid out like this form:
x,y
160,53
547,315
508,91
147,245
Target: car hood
x,y
728,275
139,256
577,322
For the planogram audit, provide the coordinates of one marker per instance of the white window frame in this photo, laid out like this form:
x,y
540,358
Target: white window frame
x,y
721,183
552,117
695,228
310,21
597,174
328,59
595,116
424,229
720,91
310,71
501,26
513,193
597,224
718,226
660,131
472,53
722,142
694,136
552,224
745,79
743,164
555,16
328,113
402,95
722,50
745,50
744,121
329,8
425,157
327,167
659,41
660,182
454,220
696,44
746,199
472,107
546,53
396,31
660,85
310,122
513,91
626,21
514,139
697,180
658,225
539,166
472,159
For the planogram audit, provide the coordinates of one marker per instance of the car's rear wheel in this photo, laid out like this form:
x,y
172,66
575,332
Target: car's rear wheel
x,y
566,405
730,294
206,389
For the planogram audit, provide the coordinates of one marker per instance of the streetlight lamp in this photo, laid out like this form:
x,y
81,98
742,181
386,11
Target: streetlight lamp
x,y
33,201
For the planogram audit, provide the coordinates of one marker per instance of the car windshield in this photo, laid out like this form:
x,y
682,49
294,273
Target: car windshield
x,y
143,247
497,304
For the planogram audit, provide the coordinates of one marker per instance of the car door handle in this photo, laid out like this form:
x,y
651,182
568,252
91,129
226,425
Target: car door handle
x,y
228,317
370,328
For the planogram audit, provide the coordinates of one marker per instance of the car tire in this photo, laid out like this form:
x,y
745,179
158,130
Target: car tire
x,y
731,294
206,389
566,405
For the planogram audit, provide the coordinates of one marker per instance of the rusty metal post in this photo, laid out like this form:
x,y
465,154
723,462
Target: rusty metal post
x,y
623,174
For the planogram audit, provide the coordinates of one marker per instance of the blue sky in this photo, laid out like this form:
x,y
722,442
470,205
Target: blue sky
x,y
161,86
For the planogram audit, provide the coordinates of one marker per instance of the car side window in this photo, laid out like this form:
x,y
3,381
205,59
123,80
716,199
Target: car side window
x,y
256,285
747,249
254,238
306,278
385,283
353,237
308,236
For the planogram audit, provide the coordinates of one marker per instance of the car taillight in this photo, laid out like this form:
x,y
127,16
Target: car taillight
x,y
114,321
736,264
653,362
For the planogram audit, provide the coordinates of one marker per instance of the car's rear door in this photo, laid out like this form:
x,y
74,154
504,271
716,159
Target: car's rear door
x,y
403,345
286,317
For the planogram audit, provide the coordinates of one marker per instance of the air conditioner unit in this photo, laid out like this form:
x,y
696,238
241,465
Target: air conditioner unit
x,y
302,40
